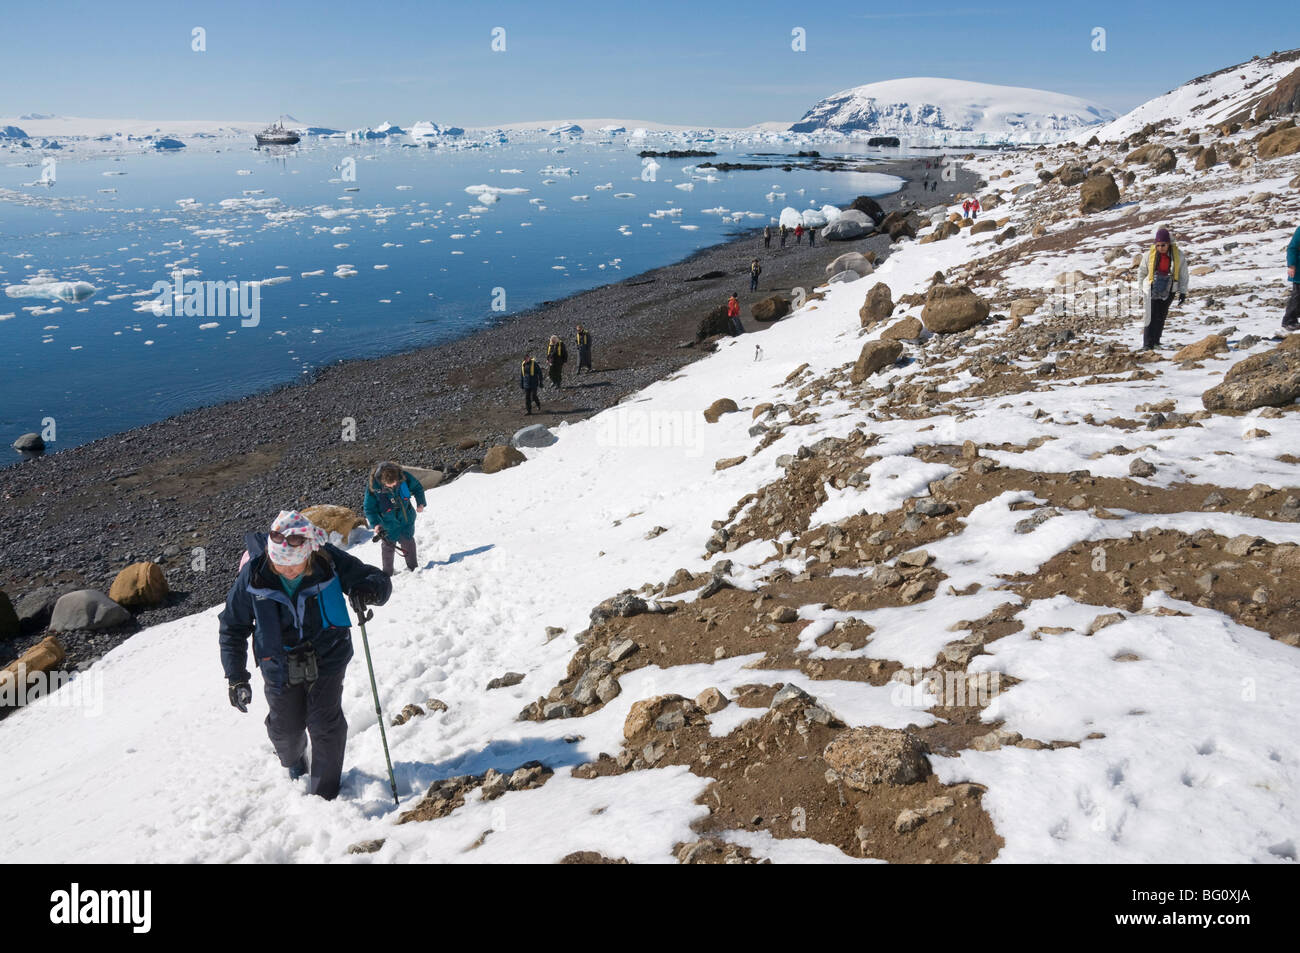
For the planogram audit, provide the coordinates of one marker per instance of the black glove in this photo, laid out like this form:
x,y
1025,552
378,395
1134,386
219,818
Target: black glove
x,y
241,693
364,594
380,535
1182,299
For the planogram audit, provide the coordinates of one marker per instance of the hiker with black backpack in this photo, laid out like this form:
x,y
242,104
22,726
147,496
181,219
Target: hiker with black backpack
x,y
583,340
755,269
556,357
530,379
290,596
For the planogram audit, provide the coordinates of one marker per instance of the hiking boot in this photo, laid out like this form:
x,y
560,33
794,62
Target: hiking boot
x,y
298,769
1290,327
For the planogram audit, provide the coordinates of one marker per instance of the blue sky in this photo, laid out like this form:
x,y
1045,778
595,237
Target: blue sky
x,y
347,63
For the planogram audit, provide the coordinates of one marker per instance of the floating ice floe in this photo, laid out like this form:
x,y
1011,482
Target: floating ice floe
x,y
624,195
45,287
493,190
579,198
312,274
243,172
209,325
344,271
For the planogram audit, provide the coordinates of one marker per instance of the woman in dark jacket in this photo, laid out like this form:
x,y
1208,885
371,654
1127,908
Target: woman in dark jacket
x,y
290,596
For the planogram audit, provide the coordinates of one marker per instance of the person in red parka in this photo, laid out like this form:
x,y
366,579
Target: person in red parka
x,y
733,314
798,234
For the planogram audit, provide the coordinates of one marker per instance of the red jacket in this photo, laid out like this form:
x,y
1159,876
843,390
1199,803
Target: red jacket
x,y
733,308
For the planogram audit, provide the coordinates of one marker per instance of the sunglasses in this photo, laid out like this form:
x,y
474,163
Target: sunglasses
x,y
280,539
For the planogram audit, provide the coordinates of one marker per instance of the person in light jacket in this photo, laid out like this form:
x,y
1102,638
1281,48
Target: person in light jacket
x,y
1163,274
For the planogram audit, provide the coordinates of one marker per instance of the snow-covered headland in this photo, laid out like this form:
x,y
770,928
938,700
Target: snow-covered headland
x,y
951,577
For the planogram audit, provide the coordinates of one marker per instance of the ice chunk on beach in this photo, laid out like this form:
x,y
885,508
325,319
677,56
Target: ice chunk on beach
x,y
790,217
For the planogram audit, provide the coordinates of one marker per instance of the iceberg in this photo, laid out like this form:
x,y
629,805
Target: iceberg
x,y
55,290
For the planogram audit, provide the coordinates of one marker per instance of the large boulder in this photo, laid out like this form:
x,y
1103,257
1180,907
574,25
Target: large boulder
x,y
535,436
41,657
843,278
878,306
9,625
953,308
850,261
1205,347
334,520
770,309
1208,158
1069,174
140,586
984,225
875,356
723,405
864,757
713,323
501,457
86,609
1270,379
30,443
1282,100
842,230
34,608
428,478
1284,142
647,711
869,206
1098,193
909,329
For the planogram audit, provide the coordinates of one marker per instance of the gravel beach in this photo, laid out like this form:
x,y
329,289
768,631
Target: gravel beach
x,y
204,478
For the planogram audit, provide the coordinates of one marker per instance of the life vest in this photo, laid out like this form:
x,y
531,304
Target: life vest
x,y
1175,264
584,339
528,369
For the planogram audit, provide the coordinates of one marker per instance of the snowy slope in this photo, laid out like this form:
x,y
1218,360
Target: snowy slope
x,y
1175,761
1207,100
952,110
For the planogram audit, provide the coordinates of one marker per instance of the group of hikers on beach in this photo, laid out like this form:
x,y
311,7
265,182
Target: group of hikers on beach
x,y
557,355
293,588
785,232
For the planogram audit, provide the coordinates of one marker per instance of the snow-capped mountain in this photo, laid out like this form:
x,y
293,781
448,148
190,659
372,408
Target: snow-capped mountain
x,y
954,111
1234,94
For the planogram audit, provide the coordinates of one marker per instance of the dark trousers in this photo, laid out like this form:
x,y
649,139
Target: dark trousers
x,y
584,357
530,398
753,282
1291,317
557,373
1157,311
298,712
387,548
736,326
812,239
783,240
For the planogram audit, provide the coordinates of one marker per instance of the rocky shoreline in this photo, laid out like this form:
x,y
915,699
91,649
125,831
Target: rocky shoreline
x,y
182,492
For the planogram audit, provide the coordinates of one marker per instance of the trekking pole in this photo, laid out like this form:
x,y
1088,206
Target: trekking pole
x,y
362,615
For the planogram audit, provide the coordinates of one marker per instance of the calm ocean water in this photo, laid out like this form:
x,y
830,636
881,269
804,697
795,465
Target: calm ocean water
x,y
431,261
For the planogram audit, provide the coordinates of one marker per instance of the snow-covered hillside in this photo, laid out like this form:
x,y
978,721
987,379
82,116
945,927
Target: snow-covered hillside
x,y
1023,507
953,111
1229,94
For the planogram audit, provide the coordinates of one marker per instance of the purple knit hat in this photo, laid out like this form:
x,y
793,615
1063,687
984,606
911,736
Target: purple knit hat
x,y
1162,235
